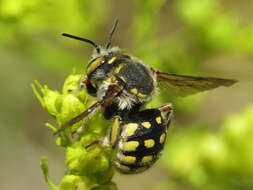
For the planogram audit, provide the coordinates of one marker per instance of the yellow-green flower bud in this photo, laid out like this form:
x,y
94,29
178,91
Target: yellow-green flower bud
x,y
71,83
70,107
46,97
73,182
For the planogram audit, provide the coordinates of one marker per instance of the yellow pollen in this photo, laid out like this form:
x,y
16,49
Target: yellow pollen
x,y
158,120
149,143
146,124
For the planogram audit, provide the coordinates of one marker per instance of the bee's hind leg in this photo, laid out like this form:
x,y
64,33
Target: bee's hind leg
x,y
166,113
112,137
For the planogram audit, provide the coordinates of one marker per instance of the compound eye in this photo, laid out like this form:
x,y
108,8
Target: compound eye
x,y
94,64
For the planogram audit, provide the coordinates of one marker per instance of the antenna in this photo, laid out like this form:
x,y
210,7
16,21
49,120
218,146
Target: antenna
x,y
83,39
111,33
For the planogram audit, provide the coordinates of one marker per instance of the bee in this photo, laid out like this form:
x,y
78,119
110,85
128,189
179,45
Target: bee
x,y
123,84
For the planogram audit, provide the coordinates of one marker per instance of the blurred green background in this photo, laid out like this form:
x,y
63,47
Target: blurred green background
x,y
210,142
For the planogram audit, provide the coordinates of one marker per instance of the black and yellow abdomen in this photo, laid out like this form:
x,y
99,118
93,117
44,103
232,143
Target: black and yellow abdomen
x,y
141,140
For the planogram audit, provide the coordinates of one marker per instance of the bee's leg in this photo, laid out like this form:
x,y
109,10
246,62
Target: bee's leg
x,y
79,130
112,138
114,132
82,83
79,117
166,113
98,141
113,90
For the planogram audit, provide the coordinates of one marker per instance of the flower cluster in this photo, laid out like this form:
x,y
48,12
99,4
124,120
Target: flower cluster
x,y
87,168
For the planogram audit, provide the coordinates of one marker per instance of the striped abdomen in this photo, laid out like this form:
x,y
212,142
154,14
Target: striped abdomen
x,y
141,141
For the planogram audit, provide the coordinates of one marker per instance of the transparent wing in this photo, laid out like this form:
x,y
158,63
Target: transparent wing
x,y
180,85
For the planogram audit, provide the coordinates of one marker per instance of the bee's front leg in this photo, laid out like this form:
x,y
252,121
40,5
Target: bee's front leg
x,y
113,90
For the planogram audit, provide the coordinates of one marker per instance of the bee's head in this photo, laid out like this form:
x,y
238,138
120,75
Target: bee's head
x,y
96,70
